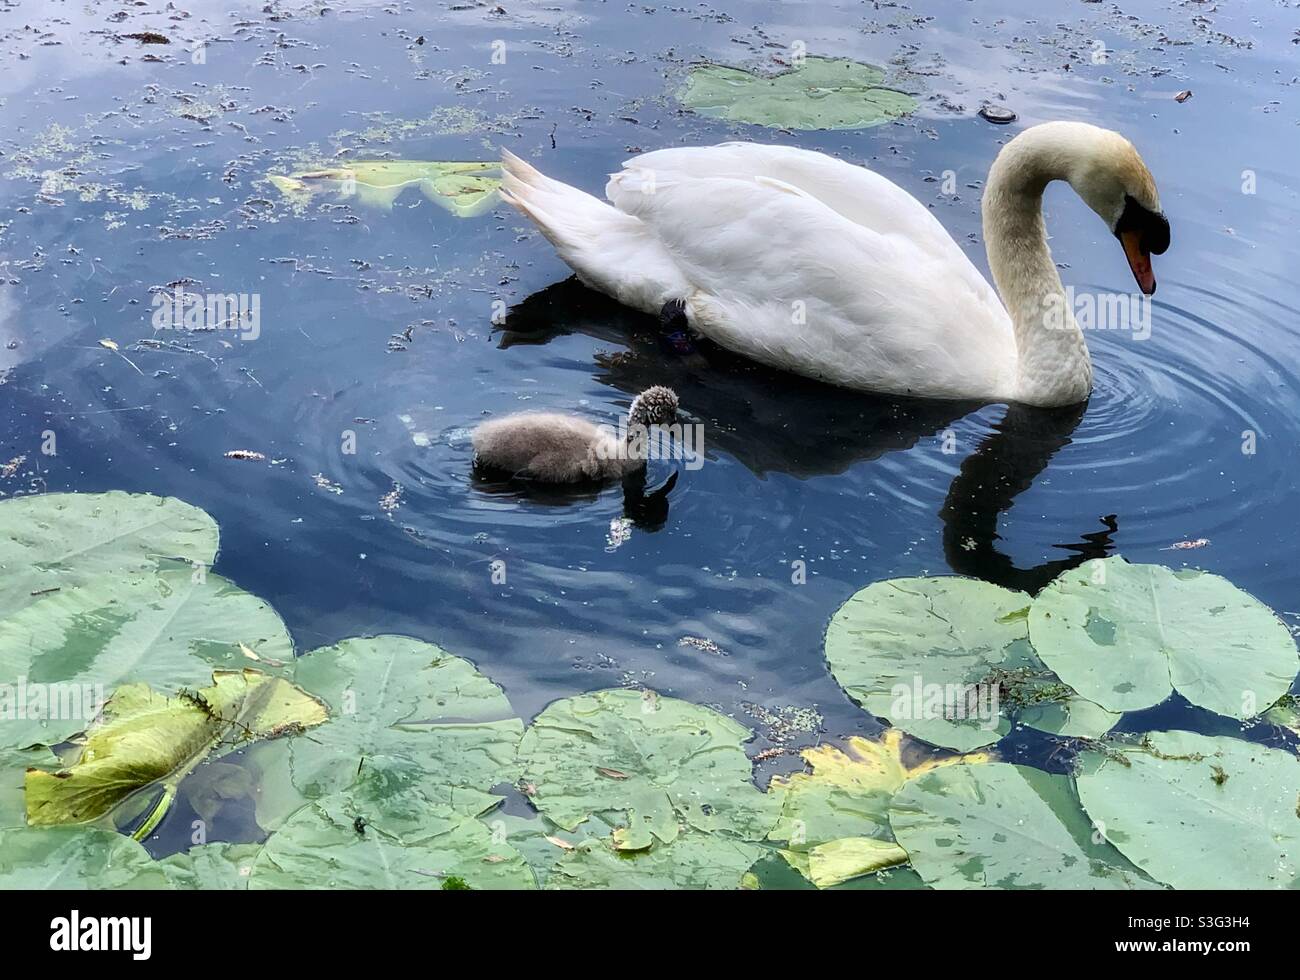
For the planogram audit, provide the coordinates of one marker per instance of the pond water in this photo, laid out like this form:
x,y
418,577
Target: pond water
x,y
130,166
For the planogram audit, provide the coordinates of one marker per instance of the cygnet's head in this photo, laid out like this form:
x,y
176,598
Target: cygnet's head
x,y
654,406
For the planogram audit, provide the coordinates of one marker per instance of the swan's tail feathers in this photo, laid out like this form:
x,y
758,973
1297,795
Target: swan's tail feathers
x,y
611,251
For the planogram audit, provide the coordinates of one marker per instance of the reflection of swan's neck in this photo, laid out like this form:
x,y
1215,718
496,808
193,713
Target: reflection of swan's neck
x,y
1052,366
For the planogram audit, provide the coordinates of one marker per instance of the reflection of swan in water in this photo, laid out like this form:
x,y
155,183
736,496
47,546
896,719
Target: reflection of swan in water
x,y
775,422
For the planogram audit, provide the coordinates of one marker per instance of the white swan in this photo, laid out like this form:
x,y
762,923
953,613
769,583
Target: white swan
x,y
816,266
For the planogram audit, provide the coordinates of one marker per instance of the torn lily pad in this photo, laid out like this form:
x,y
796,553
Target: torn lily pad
x,y
403,712
822,93
1004,826
146,740
835,819
648,764
1126,636
464,189
1198,811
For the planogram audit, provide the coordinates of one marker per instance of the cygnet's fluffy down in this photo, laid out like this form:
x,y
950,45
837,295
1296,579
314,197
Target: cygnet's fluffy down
x,y
554,448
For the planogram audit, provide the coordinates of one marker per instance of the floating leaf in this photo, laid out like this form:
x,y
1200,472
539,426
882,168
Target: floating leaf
x,y
1003,826
211,867
683,763
58,541
404,711
464,189
1199,811
835,819
824,93
147,739
693,860
921,652
167,628
75,858
775,873
350,840
1126,636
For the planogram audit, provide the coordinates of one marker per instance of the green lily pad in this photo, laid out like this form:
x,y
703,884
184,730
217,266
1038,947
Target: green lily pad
x,y
693,860
1199,811
403,712
464,189
1003,826
646,762
1126,636
921,652
350,840
823,93
211,867
65,540
78,858
146,739
167,628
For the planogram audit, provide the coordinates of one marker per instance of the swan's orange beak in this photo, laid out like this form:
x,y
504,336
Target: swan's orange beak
x,y
1139,260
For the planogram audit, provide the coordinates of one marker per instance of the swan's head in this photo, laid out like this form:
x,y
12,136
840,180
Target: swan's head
x,y
1106,171
654,406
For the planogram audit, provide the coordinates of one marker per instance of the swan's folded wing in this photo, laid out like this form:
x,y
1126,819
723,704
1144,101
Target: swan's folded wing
x,y
860,195
779,276
611,251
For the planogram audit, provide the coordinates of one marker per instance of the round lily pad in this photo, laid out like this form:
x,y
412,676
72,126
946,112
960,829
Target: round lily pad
x,y
1003,826
822,93
1126,636
923,652
402,712
166,627
58,541
1199,811
351,841
646,762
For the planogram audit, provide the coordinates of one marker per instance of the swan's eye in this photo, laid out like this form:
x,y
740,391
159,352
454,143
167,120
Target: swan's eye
x,y
1152,227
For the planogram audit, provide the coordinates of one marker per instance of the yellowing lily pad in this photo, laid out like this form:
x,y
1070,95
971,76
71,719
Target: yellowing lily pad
x,y
822,93
147,739
835,819
464,189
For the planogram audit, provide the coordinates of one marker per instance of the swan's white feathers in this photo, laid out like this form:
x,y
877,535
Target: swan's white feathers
x,y
599,242
814,265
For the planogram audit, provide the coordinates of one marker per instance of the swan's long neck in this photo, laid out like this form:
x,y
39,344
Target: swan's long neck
x,y
1053,367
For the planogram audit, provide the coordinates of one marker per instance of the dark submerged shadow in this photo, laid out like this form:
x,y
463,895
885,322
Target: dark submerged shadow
x,y
647,509
773,422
